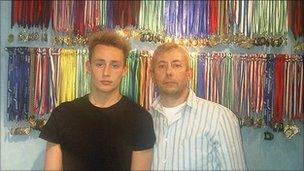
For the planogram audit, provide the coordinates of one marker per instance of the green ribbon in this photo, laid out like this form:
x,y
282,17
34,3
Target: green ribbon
x,y
151,16
103,12
228,100
130,83
82,78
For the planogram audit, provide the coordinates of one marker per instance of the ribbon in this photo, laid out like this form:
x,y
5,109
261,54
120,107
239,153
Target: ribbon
x,y
200,76
279,69
213,17
103,13
91,15
31,13
66,80
18,83
126,13
295,17
268,90
193,65
53,73
79,24
63,16
82,77
151,16
42,92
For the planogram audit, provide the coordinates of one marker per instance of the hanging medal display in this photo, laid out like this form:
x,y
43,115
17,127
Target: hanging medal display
x,y
262,89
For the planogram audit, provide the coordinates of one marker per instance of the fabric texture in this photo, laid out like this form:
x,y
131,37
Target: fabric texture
x,y
99,138
206,137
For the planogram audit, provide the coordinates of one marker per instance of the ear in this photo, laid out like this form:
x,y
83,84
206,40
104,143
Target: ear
x,y
189,74
88,66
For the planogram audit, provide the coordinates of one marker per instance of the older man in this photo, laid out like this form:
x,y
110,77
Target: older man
x,y
191,133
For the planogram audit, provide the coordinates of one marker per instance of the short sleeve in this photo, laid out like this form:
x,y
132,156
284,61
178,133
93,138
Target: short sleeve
x,y
50,130
143,136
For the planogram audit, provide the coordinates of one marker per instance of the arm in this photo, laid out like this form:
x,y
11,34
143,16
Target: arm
x,y
53,159
231,153
141,160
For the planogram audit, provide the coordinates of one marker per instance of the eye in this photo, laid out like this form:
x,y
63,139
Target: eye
x,y
99,64
176,65
115,66
161,66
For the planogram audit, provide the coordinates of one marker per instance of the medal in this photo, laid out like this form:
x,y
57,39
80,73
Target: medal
x,y
290,130
248,121
10,38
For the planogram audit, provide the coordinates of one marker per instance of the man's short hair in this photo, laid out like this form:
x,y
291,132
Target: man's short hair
x,y
109,38
170,46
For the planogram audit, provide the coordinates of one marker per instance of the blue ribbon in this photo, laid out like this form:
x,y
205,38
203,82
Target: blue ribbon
x,y
109,15
18,83
200,84
268,90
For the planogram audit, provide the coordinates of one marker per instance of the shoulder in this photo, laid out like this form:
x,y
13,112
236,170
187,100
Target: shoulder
x,y
215,109
134,108
69,106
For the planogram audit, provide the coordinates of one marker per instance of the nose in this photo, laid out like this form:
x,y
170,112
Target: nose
x,y
169,70
107,70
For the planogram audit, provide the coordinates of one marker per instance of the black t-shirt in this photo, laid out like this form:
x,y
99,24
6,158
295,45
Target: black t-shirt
x,y
99,138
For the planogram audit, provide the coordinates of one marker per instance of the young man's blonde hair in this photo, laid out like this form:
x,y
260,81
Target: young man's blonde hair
x,y
109,38
170,46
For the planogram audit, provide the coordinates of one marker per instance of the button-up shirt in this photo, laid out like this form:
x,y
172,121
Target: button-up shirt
x,y
205,137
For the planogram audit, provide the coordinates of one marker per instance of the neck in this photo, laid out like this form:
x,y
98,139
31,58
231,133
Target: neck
x,y
174,100
104,100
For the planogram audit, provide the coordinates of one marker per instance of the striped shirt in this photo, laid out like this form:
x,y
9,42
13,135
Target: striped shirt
x,y
206,137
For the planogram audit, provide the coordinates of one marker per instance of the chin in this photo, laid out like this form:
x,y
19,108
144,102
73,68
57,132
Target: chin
x,y
170,91
106,89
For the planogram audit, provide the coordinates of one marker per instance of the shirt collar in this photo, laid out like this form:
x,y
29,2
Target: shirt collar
x,y
191,101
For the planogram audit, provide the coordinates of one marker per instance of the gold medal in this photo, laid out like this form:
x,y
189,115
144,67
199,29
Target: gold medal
x,y
290,130
258,122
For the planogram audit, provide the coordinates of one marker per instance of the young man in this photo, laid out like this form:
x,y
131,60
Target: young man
x,y
102,130
191,133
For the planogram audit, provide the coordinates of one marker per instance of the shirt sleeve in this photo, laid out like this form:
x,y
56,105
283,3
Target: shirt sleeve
x,y
230,151
50,131
143,135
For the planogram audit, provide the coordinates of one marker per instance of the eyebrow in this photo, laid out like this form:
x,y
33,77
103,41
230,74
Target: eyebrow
x,y
174,61
102,60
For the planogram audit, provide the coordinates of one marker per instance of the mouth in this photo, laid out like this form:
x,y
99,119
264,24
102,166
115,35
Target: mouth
x,y
169,82
106,82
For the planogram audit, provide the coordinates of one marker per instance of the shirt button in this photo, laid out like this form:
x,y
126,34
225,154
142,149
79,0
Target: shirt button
x,y
165,139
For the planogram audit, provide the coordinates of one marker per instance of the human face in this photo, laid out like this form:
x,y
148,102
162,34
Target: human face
x,y
171,73
107,67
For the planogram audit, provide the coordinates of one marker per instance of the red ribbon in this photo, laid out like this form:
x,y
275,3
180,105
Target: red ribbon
x,y
125,13
296,17
31,13
279,69
79,27
213,17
